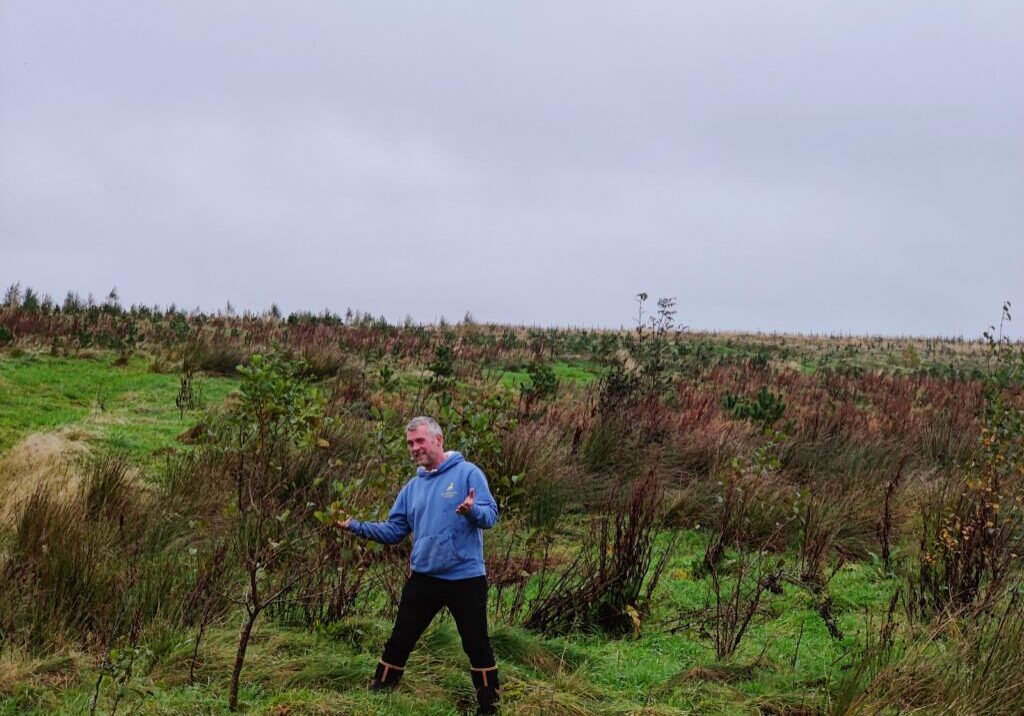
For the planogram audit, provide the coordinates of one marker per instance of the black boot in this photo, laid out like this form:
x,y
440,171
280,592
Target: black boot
x,y
386,677
487,689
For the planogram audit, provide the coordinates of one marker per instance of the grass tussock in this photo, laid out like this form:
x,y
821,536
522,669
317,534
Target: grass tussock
x,y
41,461
966,664
85,568
522,647
18,670
726,673
540,455
566,696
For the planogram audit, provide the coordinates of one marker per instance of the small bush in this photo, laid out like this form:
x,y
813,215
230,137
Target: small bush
x,y
766,408
322,361
967,542
609,584
752,511
543,386
219,357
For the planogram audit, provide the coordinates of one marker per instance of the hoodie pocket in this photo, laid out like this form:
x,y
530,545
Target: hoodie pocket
x,y
433,554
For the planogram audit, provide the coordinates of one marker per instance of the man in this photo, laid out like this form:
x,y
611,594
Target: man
x,y
446,507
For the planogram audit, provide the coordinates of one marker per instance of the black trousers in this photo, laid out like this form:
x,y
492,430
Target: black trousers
x,y
422,598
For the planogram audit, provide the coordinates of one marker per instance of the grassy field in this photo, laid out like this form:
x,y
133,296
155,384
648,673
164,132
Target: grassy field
x,y
579,373
120,407
841,517
789,661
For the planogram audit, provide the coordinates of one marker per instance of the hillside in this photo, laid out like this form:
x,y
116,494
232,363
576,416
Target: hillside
x,y
690,523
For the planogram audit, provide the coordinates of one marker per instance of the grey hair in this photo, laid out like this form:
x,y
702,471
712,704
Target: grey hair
x,y
431,424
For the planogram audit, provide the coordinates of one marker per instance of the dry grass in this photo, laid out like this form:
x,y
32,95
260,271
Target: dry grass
x,y
56,671
49,461
565,696
724,673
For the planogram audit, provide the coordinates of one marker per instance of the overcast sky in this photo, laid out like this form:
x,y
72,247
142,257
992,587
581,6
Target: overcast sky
x,y
849,166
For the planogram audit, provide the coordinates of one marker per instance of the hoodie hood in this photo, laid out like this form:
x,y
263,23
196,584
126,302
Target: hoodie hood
x,y
451,459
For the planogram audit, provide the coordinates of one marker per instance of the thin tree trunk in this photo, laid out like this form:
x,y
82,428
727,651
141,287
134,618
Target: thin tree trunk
x,y
243,643
195,651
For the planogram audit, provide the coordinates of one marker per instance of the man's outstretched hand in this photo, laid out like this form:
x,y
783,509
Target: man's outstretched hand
x,y
342,524
468,503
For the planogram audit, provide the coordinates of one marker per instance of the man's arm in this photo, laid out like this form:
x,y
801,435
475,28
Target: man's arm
x,y
479,506
390,531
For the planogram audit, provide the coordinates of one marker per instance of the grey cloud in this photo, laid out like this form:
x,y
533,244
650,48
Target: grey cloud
x,y
810,166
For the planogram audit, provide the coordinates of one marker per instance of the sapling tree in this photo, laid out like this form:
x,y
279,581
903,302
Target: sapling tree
x,y
442,368
647,373
543,386
274,534
655,367
972,526
372,477
739,584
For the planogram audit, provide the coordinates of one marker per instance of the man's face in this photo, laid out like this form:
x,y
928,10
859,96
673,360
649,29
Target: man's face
x,y
425,448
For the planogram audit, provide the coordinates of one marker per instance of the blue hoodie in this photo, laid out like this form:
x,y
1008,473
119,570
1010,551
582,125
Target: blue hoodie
x,y
446,544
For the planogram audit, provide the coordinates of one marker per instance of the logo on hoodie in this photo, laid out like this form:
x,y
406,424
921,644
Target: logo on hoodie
x,y
449,491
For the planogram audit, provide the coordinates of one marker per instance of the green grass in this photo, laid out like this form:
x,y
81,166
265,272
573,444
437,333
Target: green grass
x,y
787,658
123,408
294,671
575,373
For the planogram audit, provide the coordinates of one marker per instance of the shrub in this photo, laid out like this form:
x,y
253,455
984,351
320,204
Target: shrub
x,y
442,368
766,408
219,356
967,543
619,388
608,586
753,511
543,386
736,598
972,526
